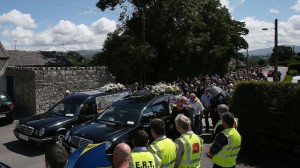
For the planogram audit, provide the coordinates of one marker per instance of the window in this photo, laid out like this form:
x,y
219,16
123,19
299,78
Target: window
x,y
158,110
87,109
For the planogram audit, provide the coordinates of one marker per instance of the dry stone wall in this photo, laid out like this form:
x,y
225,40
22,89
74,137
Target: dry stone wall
x,y
46,85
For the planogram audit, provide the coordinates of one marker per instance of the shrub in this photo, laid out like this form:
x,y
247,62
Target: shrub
x,y
294,66
268,117
292,72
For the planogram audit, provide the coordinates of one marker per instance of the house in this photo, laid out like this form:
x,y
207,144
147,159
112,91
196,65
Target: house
x,y
35,80
3,65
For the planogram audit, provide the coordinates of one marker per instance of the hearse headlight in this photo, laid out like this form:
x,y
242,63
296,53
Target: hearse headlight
x,y
41,132
67,135
17,124
108,144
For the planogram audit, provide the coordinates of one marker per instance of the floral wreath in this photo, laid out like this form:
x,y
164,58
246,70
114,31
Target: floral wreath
x,y
163,88
112,87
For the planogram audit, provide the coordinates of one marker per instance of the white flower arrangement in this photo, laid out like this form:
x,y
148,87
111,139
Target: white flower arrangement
x,y
162,88
112,87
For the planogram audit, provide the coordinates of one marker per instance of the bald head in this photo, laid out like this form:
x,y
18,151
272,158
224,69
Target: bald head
x,y
122,155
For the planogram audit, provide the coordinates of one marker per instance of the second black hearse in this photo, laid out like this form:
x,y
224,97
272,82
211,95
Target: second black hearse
x,y
120,120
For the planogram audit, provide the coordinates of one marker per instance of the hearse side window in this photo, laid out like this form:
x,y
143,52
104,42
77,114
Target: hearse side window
x,y
158,109
87,109
64,109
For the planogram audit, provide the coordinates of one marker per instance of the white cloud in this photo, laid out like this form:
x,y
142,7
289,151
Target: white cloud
x,y
64,36
288,32
103,25
231,4
296,7
17,18
274,11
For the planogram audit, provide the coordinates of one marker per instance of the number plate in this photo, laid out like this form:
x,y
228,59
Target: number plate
x,y
24,137
2,115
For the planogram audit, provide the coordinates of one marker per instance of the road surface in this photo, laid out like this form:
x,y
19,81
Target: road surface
x,y
282,69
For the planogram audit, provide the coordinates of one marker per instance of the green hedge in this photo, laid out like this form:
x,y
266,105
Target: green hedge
x,y
294,66
269,116
292,72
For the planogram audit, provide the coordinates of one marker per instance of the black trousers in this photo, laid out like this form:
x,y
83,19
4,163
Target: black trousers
x,y
214,117
206,115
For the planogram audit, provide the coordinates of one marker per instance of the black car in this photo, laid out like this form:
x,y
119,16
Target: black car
x,y
6,108
75,109
120,120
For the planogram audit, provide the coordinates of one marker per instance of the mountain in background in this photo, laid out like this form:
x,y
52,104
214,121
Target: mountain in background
x,y
88,53
259,52
266,51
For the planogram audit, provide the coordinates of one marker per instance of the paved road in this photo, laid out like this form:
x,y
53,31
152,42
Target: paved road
x,y
282,69
17,154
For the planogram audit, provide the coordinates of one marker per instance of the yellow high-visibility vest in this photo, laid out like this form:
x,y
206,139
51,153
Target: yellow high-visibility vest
x,y
166,150
144,159
216,126
192,144
228,154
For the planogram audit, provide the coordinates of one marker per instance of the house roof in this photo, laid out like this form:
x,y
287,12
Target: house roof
x,y
3,53
36,58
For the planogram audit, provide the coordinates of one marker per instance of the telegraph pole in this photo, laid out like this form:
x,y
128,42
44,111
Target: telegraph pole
x,y
275,77
247,64
143,45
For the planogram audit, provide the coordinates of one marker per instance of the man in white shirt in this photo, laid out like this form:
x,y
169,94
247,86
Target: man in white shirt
x,y
205,99
197,108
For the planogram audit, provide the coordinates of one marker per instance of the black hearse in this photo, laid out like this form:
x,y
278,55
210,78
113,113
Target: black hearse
x,y
120,120
75,109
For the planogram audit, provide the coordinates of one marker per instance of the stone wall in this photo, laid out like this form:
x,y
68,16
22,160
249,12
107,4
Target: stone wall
x,y
46,85
24,90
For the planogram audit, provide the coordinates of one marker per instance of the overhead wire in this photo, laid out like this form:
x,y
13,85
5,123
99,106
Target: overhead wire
x,y
75,7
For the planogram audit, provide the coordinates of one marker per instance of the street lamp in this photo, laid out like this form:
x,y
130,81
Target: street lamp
x,y
275,76
15,44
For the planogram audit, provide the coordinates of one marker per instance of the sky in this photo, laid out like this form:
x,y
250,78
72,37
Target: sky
x,y
79,25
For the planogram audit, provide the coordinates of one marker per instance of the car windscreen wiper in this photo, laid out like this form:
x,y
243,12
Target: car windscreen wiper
x,y
109,122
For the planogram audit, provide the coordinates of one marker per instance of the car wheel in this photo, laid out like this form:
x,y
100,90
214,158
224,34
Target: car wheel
x,y
59,138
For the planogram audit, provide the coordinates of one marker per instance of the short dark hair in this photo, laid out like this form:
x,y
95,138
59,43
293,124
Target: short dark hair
x,y
158,126
228,118
56,156
140,138
222,108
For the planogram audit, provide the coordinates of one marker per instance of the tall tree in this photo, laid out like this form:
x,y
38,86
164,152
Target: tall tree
x,y
187,37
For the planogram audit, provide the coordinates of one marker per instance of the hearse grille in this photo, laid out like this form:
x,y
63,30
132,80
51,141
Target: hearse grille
x,y
25,129
78,141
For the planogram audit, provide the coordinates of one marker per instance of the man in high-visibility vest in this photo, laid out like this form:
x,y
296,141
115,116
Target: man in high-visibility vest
x,y
162,146
221,109
189,144
227,144
140,157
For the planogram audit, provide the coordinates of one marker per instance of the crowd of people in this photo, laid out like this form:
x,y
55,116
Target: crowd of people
x,y
184,152
181,147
